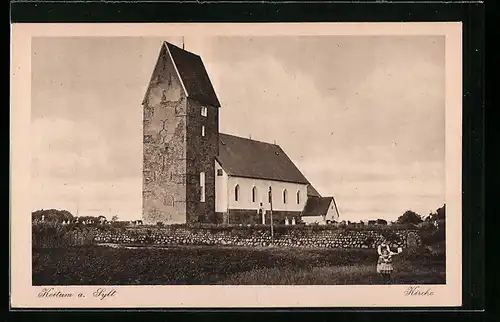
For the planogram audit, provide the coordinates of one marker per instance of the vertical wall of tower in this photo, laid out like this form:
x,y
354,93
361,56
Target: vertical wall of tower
x,y
164,146
202,148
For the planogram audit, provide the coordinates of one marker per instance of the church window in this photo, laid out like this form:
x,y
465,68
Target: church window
x,y
202,186
237,192
298,197
219,172
270,195
203,130
285,196
204,111
254,194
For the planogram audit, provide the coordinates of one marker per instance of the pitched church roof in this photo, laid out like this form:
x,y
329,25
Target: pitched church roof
x,y
312,192
255,159
317,206
192,74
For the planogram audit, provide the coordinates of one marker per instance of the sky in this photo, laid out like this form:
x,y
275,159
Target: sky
x,y
363,117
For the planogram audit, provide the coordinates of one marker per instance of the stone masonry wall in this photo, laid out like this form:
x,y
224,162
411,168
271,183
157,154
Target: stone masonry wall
x,y
256,238
247,216
164,152
200,154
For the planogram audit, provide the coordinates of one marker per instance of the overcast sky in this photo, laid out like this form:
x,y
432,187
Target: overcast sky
x,y
362,117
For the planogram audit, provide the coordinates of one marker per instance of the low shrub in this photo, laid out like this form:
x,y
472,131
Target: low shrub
x,y
391,236
434,236
52,229
369,241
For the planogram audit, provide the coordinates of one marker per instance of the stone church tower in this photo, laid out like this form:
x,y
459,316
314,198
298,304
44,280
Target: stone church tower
x,y
180,140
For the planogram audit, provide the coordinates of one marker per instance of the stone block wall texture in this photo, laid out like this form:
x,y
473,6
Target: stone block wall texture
x,y
200,155
164,149
246,216
256,238
175,151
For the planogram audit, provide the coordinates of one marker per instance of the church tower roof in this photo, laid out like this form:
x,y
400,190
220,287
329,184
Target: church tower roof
x,y
191,72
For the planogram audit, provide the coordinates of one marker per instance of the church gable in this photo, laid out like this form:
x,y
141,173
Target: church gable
x,y
321,207
187,71
165,84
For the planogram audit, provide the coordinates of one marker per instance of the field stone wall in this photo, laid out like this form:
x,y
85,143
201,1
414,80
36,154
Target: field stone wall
x,y
257,238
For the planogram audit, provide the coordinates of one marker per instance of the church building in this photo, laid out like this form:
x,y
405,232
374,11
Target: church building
x,y
192,173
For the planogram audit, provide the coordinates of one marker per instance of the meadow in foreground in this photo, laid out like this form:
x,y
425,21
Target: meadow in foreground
x,y
101,265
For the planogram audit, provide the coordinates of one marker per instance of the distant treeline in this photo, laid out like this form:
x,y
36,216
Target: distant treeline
x,y
64,216
52,215
408,219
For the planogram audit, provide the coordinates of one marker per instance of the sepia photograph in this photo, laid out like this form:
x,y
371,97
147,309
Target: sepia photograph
x,y
238,160
260,160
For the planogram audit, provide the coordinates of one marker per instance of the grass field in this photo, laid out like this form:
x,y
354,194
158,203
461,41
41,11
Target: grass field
x,y
100,265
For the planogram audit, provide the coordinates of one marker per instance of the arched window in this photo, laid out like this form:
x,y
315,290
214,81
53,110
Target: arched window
x,y
237,192
285,196
298,197
270,195
254,194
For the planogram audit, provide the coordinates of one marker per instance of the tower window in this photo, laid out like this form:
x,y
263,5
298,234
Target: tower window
x,y
203,130
202,186
219,172
204,111
237,192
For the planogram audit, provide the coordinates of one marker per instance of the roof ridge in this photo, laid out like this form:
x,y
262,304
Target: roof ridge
x,y
244,138
179,48
322,197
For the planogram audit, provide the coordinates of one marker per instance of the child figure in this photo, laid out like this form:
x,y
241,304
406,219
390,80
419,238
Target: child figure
x,y
384,263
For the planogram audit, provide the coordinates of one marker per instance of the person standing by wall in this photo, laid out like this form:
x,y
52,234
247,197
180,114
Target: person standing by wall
x,y
384,262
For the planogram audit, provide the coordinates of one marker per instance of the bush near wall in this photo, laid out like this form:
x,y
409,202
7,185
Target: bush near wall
x,y
434,236
54,234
